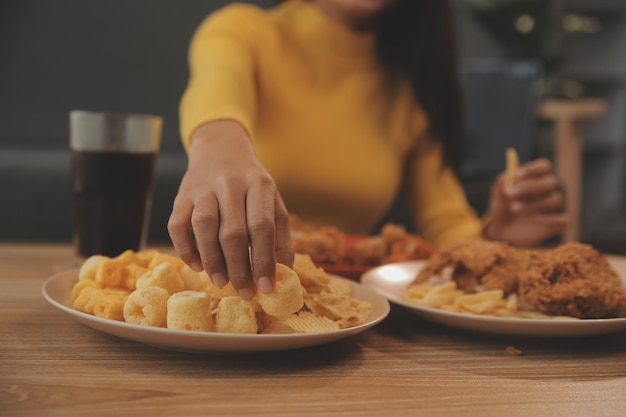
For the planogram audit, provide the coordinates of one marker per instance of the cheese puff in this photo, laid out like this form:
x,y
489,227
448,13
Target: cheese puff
x,y
109,304
147,306
109,273
85,299
89,266
216,292
235,315
287,296
131,274
144,257
160,258
126,258
190,310
164,276
81,285
192,279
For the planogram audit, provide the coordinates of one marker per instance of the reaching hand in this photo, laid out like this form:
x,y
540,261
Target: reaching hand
x,y
531,210
230,204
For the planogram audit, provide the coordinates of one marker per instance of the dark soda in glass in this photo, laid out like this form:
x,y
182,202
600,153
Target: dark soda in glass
x,y
112,195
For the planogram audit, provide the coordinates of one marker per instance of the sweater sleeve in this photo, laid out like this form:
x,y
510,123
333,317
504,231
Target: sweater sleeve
x,y
441,211
221,82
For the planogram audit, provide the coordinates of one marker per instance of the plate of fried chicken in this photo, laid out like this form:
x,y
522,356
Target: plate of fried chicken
x,y
570,290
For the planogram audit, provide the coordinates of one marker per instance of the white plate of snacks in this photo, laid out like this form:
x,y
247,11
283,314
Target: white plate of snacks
x,y
58,291
393,280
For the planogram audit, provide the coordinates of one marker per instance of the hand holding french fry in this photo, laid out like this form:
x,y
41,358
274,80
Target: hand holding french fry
x,y
526,203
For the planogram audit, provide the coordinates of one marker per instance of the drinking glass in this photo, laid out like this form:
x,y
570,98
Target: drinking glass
x,y
113,162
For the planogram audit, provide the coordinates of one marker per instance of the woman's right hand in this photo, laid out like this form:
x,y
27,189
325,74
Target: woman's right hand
x,y
230,205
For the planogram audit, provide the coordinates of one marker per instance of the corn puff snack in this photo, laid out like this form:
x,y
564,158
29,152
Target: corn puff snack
x,y
151,288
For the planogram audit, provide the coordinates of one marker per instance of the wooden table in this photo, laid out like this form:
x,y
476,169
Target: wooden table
x,y
567,116
51,365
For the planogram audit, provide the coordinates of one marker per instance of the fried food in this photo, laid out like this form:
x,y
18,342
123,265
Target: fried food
x,y
169,294
572,280
190,310
575,280
329,245
478,264
512,165
147,306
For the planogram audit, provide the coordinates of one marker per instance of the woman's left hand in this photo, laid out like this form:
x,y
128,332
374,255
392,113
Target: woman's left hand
x,y
531,210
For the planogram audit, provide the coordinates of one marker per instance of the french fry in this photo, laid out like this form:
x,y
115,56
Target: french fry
x,y
446,296
512,165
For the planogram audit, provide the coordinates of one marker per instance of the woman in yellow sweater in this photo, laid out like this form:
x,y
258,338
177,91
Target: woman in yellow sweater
x,y
329,109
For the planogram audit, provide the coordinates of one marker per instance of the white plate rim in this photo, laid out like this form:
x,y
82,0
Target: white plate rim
x,y
391,279
56,291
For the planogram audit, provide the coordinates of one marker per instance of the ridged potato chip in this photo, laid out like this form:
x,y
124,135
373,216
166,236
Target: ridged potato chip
x,y
302,322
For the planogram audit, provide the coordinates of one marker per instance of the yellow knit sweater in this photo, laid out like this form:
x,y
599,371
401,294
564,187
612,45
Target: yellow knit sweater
x,y
334,136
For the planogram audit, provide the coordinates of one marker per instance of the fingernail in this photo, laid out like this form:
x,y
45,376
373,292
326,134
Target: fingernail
x,y
219,279
246,293
265,285
196,266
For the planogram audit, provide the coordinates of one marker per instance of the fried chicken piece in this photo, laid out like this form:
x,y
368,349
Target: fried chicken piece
x,y
393,244
404,246
575,280
326,245
478,262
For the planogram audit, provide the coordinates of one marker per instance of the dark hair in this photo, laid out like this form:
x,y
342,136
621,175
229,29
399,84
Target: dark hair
x,y
418,39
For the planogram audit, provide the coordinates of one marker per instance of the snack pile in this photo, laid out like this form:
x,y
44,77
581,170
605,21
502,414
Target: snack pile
x,y
151,288
478,276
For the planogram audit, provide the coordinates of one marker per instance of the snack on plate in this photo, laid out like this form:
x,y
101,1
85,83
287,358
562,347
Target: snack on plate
x,y
151,288
190,310
287,295
477,276
147,306
236,315
330,246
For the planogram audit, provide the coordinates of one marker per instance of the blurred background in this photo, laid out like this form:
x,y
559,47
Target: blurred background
x,y
130,56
